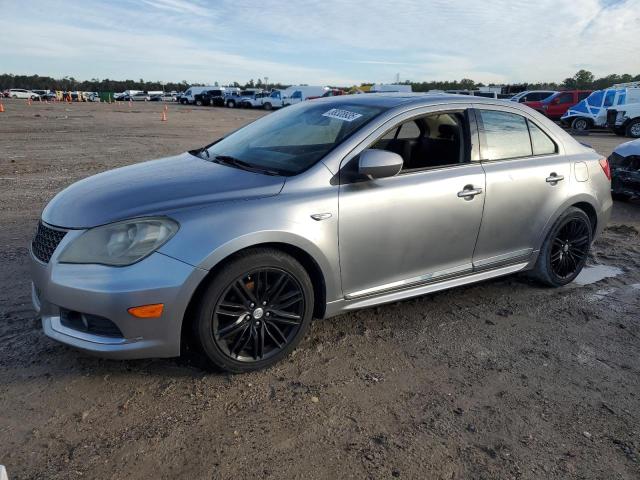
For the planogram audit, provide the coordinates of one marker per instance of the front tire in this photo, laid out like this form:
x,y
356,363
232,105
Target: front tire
x,y
580,124
267,106
255,311
565,250
633,129
231,104
199,103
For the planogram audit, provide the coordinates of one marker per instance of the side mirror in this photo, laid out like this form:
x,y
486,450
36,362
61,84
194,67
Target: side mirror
x,y
379,163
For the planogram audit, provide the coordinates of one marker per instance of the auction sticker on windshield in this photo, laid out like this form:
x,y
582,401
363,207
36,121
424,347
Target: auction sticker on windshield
x,y
344,115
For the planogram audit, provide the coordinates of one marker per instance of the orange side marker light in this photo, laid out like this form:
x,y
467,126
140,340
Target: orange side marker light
x,y
147,311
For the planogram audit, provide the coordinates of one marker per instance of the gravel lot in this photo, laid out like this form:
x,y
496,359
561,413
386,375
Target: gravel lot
x,y
504,379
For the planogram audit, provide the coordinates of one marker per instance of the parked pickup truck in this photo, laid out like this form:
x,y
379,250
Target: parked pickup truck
x,y
235,99
557,104
275,99
253,101
213,97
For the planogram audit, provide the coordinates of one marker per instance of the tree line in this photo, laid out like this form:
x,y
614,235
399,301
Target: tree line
x,y
583,79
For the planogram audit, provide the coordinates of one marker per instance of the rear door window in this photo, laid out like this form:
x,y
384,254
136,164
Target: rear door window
x,y
503,135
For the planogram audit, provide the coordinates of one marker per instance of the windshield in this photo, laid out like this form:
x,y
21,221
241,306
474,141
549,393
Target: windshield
x,y
292,139
595,99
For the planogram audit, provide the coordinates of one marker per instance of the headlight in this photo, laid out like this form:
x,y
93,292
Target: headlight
x,y
120,244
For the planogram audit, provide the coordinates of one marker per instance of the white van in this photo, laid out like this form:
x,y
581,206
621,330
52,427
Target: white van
x,y
188,96
292,95
381,87
592,111
297,94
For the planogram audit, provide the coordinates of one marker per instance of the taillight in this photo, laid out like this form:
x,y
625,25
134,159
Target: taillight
x,y
604,163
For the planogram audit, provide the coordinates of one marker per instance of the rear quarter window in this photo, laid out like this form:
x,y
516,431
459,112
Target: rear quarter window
x,y
541,144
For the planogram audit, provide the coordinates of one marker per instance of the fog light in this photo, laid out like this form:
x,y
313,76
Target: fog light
x,y
147,311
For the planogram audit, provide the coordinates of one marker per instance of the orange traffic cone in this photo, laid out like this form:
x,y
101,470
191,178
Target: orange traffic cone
x,y
29,101
1,108
130,103
166,108
164,116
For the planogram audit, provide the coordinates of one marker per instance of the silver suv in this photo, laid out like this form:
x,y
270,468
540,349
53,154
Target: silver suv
x,y
324,207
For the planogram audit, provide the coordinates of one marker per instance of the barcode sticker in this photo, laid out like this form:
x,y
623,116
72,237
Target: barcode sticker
x,y
344,115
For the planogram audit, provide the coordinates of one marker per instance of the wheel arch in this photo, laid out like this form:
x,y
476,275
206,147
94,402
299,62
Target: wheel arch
x,y
584,202
310,264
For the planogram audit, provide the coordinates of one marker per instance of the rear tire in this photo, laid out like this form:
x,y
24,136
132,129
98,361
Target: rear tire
x,y
199,103
565,250
255,311
633,129
580,124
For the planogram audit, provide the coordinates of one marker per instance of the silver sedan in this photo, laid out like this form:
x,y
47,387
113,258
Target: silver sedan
x,y
321,208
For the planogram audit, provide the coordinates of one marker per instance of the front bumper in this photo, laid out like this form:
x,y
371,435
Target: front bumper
x,y
108,292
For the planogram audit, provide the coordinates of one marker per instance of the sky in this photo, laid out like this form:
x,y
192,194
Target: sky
x,y
328,42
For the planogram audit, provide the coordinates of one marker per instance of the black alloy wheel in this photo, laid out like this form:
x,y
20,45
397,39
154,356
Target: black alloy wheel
x,y
258,314
570,247
255,311
565,250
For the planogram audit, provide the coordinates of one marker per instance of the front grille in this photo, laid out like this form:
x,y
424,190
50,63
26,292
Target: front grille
x,y
46,241
85,322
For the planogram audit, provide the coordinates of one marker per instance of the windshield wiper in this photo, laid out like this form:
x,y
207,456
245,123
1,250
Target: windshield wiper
x,y
236,162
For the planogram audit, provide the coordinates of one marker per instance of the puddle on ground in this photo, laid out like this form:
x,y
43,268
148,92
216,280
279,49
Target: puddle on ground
x,y
596,273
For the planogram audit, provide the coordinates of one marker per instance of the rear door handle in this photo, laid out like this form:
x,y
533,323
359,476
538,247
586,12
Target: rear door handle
x,y
469,192
554,178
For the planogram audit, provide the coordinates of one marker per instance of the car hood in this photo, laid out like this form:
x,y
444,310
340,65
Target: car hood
x,y
154,188
628,149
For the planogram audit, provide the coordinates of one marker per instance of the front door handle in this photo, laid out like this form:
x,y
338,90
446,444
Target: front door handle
x,y
469,192
554,178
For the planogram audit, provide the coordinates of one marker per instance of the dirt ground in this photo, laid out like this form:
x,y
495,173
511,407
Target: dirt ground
x,y
500,380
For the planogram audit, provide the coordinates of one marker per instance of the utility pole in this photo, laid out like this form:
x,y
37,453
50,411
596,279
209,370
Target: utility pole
x,y
266,83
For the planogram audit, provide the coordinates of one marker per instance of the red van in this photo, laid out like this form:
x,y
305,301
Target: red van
x,y
556,105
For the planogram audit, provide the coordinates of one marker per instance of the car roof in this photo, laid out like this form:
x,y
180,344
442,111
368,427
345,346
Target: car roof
x,y
391,100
